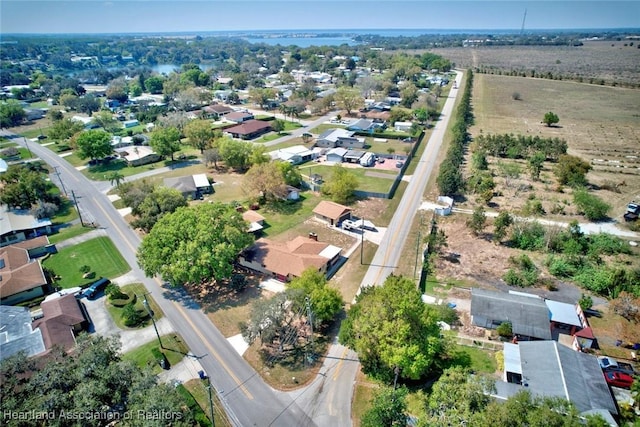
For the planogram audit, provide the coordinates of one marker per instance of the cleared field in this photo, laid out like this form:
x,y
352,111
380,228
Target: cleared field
x,y
609,61
599,123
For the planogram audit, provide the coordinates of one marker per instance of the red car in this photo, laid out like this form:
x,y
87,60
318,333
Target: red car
x,y
618,379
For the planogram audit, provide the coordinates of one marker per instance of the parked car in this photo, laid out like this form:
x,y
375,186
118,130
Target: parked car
x,y
618,379
399,164
96,287
607,362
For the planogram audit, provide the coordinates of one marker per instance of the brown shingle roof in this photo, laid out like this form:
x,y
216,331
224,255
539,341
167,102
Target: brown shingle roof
x,y
289,258
217,108
60,317
331,209
36,242
252,216
18,273
249,127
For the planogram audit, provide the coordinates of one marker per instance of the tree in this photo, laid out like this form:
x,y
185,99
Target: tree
x,y
585,302
117,89
388,408
571,170
593,207
165,141
390,327
265,181
105,120
211,156
94,144
65,129
341,185
194,244
449,179
535,163
11,114
115,178
23,187
154,84
550,119
258,155
92,379
235,154
200,134
159,202
290,173
277,125
501,224
324,300
477,221
348,99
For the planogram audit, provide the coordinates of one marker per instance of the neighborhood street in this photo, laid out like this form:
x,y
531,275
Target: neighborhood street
x,y
386,258
247,399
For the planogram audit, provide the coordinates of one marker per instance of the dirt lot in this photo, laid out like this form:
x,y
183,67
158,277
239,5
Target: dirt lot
x,y
600,124
611,61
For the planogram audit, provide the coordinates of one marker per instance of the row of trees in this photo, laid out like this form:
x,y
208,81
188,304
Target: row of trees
x,y
520,146
450,180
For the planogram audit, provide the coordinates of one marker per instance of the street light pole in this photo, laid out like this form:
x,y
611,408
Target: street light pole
x,y
75,201
148,308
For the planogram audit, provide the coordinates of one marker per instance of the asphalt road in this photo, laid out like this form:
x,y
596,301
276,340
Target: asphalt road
x,y
386,258
247,399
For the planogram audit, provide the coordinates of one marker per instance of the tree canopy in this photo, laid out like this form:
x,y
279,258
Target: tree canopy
x,y
194,244
160,201
348,99
235,154
341,185
11,113
166,141
266,182
571,170
200,134
389,327
23,187
93,144
550,119
65,129
325,301
91,380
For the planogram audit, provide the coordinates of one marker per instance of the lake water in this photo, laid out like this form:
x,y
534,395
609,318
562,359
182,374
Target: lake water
x,y
303,41
169,68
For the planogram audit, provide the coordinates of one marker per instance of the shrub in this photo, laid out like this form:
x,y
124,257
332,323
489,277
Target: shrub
x,y
533,208
504,329
131,316
593,207
238,282
84,269
585,301
560,267
604,243
528,236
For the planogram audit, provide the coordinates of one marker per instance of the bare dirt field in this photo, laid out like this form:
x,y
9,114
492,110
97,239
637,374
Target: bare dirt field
x,y
600,124
598,60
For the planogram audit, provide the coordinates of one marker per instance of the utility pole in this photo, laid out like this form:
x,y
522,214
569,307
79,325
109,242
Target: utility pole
x,y
361,241
307,302
203,376
148,308
75,201
415,268
57,172
27,145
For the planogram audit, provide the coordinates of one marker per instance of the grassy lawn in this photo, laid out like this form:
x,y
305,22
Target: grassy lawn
x,y
99,172
347,280
33,133
100,254
288,143
65,233
136,290
198,390
174,349
318,130
66,213
363,392
284,216
365,182
396,145
271,136
476,359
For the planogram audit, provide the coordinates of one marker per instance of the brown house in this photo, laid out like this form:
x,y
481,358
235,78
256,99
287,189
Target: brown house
x,y
21,278
287,260
215,111
63,319
249,130
332,213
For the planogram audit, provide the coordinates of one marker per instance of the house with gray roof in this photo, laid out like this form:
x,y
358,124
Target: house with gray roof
x,y
549,369
529,317
339,137
191,186
16,333
18,225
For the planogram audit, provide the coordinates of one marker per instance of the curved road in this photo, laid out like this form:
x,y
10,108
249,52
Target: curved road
x,y
388,253
247,399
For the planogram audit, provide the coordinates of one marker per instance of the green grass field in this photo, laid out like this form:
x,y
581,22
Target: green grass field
x,y
283,216
365,182
138,290
99,254
174,349
68,232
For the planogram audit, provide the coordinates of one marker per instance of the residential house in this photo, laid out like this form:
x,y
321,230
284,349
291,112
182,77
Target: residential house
x,y
239,116
353,156
138,155
548,369
63,319
402,126
532,317
19,225
255,220
34,113
336,155
249,129
529,317
332,213
339,138
192,186
17,334
21,278
295,155
362,125
215,111
36,247
285,261
86,121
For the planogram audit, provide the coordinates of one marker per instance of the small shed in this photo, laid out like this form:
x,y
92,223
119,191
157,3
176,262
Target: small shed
x,y
336,154
403,126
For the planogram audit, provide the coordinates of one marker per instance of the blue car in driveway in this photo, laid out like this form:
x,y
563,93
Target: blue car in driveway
x,y
96,287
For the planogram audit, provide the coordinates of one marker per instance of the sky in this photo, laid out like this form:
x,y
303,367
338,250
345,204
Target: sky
x,y
132,16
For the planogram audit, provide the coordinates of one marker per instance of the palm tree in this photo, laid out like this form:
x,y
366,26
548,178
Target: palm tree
x,y
116,178
284,110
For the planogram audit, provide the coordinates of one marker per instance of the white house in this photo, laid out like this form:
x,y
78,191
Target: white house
x,y
402,126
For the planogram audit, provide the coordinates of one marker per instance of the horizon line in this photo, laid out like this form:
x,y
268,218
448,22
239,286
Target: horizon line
x,y
330,30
